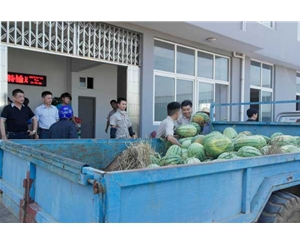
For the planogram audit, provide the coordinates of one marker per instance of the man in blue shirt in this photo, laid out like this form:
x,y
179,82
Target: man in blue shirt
x,y
64,128
46,115
66,99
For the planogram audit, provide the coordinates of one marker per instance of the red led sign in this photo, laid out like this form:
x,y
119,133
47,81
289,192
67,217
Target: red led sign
x,y
26,79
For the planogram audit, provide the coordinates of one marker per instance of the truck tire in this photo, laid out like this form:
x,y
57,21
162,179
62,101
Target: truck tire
x,y
282,207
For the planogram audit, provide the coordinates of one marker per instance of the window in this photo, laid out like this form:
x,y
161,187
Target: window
x,y
185,73
164,56
86,82
185,61
269,24
261,80
298,91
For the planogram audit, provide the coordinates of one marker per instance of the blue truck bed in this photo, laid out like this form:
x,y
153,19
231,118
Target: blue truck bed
x,y
64,181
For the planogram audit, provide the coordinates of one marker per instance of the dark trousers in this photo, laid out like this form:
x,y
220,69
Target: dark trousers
x,y
44,134
18,135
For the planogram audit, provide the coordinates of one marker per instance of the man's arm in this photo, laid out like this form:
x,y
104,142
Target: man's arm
x,y
107,125
170,134
2,127
34,128
173,140
74,121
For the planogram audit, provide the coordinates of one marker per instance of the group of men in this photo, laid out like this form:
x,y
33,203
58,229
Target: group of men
x,y
58,122
175,118
18,121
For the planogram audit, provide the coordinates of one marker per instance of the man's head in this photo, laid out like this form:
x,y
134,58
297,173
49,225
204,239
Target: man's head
x,y
47,98
122,103
18,96
174,110
113,104
205,110
186,107
252,113
66,98
65,112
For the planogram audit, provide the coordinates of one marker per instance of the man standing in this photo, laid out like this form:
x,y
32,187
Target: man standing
x,y
252,114
205,129
121,126
186,116
167,126
64,128
113,104
16,116
66,99
46,115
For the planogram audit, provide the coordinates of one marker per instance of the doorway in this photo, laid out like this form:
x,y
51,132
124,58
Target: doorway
x,y
86,111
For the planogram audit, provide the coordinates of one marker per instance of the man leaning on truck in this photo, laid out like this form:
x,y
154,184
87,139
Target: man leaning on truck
x,y
167,126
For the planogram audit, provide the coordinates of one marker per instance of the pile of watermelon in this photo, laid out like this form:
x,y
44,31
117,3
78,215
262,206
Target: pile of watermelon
x,y
217,146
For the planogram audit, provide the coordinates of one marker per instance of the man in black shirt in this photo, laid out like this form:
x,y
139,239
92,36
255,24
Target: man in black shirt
x,y
252,114
16,116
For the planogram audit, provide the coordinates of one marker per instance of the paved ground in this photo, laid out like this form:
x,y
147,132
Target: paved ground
x,y
6,216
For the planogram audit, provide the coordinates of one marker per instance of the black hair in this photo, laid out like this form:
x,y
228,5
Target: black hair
x,y
16,91
186,103
45,93
251,112
66,94
113,101
26,101
173,107
120,99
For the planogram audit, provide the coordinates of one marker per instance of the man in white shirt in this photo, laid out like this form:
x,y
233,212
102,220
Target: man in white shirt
x,y
46,115
186,116
167,126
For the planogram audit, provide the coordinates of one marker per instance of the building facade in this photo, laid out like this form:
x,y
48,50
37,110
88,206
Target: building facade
x,y
152,64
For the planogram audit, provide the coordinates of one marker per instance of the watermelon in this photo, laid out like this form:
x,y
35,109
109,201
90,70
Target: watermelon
x,y
289,149
297,140
184,154
198,138
276,134
282,140
186,144
197,127
192,161
248,151
200,118
187,130
181,140
247,133
174,150
230,132
227,155
196,150
212,134
255,141
214,146
171,159
266,150
154,160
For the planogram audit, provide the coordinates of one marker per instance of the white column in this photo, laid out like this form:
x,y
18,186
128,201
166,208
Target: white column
x,y
3,76
133,96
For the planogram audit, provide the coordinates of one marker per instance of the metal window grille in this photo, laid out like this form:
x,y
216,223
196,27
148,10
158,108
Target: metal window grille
x,y
91,40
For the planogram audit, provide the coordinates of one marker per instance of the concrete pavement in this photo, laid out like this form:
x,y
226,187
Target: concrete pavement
x,y
6,216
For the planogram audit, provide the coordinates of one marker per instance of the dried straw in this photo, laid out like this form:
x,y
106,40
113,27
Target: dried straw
x,y
136,156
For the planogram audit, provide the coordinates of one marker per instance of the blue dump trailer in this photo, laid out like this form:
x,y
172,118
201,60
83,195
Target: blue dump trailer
x,y
64,181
